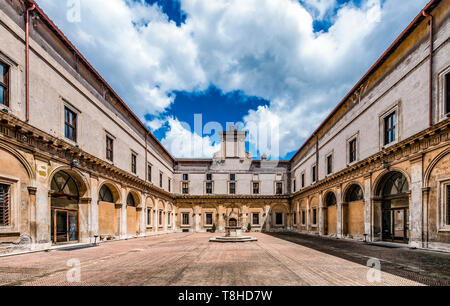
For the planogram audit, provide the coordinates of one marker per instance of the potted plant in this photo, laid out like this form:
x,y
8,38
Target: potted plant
x,y
249,227
213,228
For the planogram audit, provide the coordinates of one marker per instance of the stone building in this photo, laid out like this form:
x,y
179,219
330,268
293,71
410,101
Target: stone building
x,y
377,168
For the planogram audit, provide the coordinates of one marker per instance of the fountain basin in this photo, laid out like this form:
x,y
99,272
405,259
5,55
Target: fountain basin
x,y
233,234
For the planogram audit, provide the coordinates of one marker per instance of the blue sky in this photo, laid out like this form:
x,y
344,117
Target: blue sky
x,y
277,66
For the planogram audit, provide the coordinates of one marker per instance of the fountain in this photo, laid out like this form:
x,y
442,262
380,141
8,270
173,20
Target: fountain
x,y
233,230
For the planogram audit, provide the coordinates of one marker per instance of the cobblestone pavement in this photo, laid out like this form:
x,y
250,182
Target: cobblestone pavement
x,y
426,267
187,259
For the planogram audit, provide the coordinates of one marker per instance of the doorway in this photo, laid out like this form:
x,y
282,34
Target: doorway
x,y
64,211
395,209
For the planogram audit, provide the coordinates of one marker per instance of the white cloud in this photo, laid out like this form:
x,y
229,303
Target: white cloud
x,y
264,48
187,144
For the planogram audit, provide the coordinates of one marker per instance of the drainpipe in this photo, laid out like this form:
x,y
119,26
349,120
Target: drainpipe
x,y
27,59
430,94
146,163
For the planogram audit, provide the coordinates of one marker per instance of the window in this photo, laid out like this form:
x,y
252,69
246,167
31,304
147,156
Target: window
x,y
105,194
130,200
314,216
185,218
279,188
279,219
160,217
255,218
70,124
169,184
330,164
209,187
133,163
109,148
354,194
232,188
352,150
149,216
160,180
4,84
4,205
209,219
255,188
185,187
303,217
303,180
314,174
209,177
294,183
447,94
185,177
389,128
149,173
232,177
295,218
168,218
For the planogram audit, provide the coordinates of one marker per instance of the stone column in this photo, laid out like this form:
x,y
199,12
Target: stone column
x,y
339,228
368,207
197,225
32,214
308,216
123,215
245,218
321,216
416,204
94,208
376,219
43,200
84,217
166,216
268,217
142,220
221,221
155,215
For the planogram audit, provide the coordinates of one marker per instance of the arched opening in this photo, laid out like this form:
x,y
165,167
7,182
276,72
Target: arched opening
x,y
331,214
353,211
232,222
132,214
65,197
108,211
394,193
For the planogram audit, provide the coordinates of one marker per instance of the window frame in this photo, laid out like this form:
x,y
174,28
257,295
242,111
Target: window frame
x,y
354,138
183,215
444,204
303,180
149,217
207,189
390,128
314,173
69,125
109,151
8,207
314,216
330,167
276,219
256,190
234,187
184,190
281,189
6,85
161,178
133,163
258,217
206,219
149,172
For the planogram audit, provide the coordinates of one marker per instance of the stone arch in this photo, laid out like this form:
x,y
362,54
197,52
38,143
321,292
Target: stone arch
x,y
330,213
135,196
348,189
21,159
379,180
432,166
133,208
279,216
353,210
79,177
117,196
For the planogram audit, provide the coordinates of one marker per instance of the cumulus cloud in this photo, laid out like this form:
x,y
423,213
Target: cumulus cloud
x,y
264,48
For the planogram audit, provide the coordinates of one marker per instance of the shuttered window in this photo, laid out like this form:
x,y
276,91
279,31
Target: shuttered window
x,y
4,205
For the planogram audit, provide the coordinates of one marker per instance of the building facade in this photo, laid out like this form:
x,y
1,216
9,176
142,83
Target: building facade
x,y
377,168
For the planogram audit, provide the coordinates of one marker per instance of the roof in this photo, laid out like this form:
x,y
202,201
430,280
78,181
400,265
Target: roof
x,y
67,42
431,5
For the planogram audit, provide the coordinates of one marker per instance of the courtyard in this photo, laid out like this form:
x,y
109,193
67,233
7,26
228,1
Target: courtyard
x,y
187,259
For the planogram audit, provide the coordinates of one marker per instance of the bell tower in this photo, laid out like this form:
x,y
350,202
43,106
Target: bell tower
x,y
232,144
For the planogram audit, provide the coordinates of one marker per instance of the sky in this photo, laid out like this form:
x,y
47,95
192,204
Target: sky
x,y
191,68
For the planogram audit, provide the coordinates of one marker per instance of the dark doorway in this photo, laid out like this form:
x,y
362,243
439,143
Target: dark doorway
x,y
395,208
64,209
232,222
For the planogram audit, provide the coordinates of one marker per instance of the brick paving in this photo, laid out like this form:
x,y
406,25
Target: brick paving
x,y
186,259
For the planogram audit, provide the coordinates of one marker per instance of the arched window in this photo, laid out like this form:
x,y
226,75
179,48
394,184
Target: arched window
x,y
330,199
105,194
354,194
64,186
130,200
396,184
